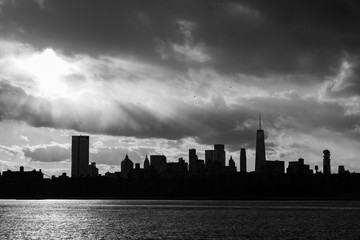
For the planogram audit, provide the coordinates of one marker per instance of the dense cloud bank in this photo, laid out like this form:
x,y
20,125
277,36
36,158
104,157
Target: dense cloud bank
x,y
180,70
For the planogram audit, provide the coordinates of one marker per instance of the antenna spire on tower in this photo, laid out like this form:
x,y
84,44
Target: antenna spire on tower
x,y
259,121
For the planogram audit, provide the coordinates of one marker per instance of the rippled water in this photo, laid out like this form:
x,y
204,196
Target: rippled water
x,y
144,219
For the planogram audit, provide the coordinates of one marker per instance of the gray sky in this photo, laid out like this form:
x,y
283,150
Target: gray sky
x,y
145,77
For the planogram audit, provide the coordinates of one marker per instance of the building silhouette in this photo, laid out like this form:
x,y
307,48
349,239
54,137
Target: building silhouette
x,y
209,159
93,170
243,160
342,170
158,162
326,162
298,167
177,168
126,166
219,155
260,157
80,156
146,163
231,162
23,175
193,158
273,167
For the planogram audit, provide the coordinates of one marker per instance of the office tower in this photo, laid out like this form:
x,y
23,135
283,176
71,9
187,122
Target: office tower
x,y
219,155
231,162
192,160
260,158
326,162
158,162
243,160
126,167
79,156
341,169
93,170
209,159
146,163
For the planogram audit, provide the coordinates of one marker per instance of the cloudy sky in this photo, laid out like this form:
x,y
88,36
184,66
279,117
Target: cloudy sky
x,y
146,77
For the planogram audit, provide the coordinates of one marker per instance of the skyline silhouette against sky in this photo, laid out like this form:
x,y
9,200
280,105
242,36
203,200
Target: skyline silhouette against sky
x,y
167,76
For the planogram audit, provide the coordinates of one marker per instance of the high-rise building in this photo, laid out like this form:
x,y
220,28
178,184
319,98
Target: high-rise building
x,y
79,156
260,158
326,162
146,163
158,162
93,170
209,159
243,160
231,162
192,161
126,167
219,155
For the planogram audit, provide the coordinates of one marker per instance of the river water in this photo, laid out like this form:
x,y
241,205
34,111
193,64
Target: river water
x,y
168,219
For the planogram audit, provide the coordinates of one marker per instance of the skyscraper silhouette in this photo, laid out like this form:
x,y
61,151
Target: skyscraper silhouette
x,y
260,158
146,163
79,156
326,162
219,155
126,166
209,159
192,160
231,162
243,160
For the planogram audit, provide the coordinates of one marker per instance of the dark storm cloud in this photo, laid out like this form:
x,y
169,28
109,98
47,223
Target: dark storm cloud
x,y
130,120
255,37
214,122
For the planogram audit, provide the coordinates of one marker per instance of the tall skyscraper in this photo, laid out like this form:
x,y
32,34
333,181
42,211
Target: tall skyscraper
x,y
231,162
219,155
209,159
243,160
79,156
260,158
326,162
146,163
192,160
158,162
126,166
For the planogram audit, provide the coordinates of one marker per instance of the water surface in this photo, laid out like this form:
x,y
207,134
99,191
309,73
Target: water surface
x,y
166,219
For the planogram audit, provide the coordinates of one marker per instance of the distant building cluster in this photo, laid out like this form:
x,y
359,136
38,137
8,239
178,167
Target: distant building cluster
x,y
214,163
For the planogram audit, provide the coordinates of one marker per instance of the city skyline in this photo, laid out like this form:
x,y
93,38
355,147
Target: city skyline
x,y
214,162
166,77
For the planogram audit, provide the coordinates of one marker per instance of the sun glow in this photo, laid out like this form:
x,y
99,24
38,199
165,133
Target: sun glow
x,y
47,69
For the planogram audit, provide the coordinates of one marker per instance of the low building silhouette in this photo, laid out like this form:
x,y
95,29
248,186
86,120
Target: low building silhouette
x,y
341,170
23,175
298,167
273,167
